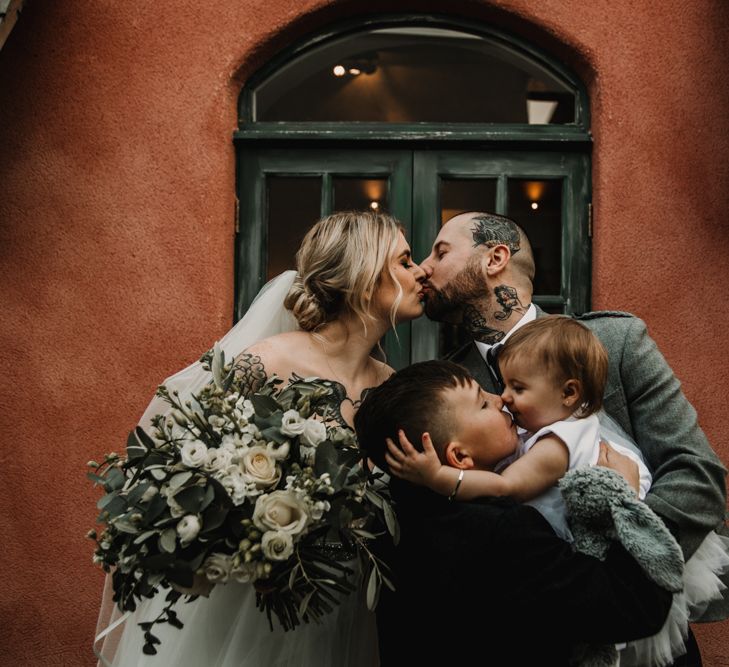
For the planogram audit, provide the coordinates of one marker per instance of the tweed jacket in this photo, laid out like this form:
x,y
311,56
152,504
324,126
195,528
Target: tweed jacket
x,y
644,396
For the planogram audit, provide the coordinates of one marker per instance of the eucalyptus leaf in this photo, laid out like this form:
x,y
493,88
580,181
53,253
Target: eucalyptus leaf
x,y
305,602
168,540
102,502
156,507
374,498
207,498
176,481
116,506
143,536
160,474
114,479
191,498
137,492
217,365
264,405
373,590
213,518
391,522
142,436
273,433
125,527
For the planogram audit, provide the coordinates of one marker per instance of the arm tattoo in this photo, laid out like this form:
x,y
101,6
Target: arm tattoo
x,y
491,230
253,373
476,325
508,298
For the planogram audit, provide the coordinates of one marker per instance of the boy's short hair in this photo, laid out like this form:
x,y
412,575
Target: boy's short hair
x,y
566,349
411,400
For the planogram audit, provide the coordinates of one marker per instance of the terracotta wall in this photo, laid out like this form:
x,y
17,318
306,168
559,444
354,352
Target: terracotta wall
x,y
116,232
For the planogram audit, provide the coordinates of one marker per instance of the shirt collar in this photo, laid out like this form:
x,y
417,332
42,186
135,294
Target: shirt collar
x,y
529,316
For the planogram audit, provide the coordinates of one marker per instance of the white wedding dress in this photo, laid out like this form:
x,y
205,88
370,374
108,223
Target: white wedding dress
x,y
227,629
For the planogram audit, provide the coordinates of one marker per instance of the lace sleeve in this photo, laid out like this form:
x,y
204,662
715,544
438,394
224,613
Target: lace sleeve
x,y
251,372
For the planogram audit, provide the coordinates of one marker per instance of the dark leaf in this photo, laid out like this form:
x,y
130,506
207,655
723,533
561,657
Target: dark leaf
x,y
191,499
264,405
155,508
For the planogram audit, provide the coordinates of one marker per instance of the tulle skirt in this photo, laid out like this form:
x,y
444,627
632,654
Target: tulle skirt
x,y
227,630
701,585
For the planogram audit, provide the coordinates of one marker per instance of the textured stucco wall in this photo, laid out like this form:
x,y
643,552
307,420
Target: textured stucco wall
x,y
116,231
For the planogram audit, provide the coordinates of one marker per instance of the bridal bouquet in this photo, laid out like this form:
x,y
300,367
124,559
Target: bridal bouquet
x,y
264,488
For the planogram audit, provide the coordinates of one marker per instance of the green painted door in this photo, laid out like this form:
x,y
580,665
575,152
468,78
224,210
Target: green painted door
x,y
282,192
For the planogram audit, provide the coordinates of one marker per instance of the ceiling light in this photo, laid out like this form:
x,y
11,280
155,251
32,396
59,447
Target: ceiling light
x,y
339,70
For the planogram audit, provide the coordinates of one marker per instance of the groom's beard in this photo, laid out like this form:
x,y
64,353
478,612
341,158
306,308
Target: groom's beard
x,y
448,303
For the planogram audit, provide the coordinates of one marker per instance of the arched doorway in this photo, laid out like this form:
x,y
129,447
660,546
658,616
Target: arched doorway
x,y
423,117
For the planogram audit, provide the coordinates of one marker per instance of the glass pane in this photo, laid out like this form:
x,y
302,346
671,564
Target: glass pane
x,y
356,194
537,206
412,74
293,206
459,195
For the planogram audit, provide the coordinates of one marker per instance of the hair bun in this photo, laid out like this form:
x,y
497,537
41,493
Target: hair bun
x,y
305,306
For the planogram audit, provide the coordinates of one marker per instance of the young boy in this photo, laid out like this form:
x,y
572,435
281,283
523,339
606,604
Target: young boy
x,y
474,579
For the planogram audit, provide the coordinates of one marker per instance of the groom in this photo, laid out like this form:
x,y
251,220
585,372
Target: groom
x,y
479,274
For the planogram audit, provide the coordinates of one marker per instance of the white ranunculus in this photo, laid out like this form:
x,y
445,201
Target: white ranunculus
x,y
217,568
218,459
194,454
277,545
188,528
314,432
292,423
259,468
281,510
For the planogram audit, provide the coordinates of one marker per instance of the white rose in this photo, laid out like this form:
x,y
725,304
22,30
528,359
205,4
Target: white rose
x,y
314,432
188,528
218,459
291,423
259,468
194,454
277,545
217,568
280,510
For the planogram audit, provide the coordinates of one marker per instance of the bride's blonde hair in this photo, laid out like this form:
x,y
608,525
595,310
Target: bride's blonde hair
x,y
339,265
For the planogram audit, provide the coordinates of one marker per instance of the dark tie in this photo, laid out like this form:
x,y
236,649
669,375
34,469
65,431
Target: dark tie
x,y
492,360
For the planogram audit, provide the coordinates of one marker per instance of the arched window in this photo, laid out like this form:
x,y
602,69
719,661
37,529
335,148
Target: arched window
x,y
425,118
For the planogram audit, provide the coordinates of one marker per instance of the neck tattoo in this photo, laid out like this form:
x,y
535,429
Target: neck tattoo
x,y
508,299
477,326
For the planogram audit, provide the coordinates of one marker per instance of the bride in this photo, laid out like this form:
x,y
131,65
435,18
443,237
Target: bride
x,y
355,279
